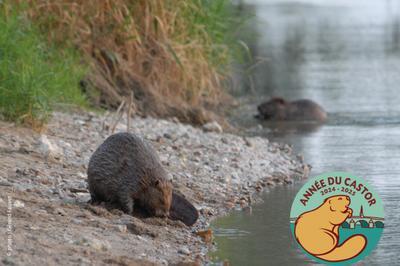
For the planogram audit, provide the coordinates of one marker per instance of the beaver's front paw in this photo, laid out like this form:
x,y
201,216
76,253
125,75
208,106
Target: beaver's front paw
x,y
350,212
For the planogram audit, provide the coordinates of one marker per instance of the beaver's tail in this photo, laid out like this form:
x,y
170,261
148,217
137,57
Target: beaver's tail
x,y
348,250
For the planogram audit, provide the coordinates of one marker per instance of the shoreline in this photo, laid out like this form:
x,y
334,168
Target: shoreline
x,y
53,224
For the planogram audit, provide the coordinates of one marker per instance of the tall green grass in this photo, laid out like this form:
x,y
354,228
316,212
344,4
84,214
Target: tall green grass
x,y
173,54
34,76
218,22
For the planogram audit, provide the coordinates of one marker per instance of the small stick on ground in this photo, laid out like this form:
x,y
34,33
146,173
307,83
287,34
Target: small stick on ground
x,y
129,112
103,126
119,116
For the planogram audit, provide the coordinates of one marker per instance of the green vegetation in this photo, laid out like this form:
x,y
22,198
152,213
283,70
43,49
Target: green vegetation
x,y
174,55
33,76
215,22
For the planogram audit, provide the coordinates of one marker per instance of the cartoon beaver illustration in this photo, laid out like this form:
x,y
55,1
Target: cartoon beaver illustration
x,y
317,231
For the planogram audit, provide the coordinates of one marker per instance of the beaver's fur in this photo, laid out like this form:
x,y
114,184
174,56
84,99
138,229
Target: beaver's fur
x,y
279,109
126,169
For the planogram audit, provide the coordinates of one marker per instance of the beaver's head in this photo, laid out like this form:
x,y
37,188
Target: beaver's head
x,y
157,201
339,203
275,108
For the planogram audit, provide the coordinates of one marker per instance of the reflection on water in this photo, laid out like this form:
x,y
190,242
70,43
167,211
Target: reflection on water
x,y
230,233
345,55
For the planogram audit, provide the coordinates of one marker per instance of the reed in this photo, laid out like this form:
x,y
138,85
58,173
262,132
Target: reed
x,y
173,54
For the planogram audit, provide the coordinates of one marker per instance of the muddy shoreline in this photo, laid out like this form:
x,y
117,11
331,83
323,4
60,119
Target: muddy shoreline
x,y
43,186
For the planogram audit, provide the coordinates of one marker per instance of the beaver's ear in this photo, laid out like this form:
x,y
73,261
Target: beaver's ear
x,y
157,183
331,207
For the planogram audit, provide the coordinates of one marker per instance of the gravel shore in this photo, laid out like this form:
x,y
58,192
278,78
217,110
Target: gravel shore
x,y
43,191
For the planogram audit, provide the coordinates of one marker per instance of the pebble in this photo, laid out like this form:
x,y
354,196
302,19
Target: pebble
x,y
242,203
82,175
76,221
288,180
207,211
49,150
197,153
4,182
184,250
167,136
300,157
101,245
206,235
18,204
84,261
212,127
41,212
229,205
122,228
60,212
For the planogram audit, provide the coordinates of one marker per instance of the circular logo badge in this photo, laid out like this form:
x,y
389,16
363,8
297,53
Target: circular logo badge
x,y
337,218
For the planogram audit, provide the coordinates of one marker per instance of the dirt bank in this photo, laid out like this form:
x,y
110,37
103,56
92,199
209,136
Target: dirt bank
x,y
44,191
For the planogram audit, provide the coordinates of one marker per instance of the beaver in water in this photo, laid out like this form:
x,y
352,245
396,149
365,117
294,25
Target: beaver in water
x,y
279,109
125,170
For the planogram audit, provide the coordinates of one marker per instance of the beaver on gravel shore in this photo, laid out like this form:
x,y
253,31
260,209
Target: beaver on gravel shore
x,y
125,170
278,109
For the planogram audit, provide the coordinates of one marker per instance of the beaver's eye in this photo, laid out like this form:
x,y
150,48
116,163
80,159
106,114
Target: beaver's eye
x,y
339,198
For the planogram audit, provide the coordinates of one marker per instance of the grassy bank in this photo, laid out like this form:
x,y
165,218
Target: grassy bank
x,y
33,75
173,55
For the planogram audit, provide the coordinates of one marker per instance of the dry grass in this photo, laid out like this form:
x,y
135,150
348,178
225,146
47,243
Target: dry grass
x,y
170,53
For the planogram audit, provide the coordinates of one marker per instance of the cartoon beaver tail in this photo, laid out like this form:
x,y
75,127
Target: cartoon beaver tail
x,y
348,250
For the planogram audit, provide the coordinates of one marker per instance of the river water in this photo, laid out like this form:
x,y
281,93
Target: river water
x,y
345,55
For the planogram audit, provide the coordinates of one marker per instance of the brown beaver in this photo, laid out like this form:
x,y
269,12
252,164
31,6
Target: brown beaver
x,y
125,170
279,109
